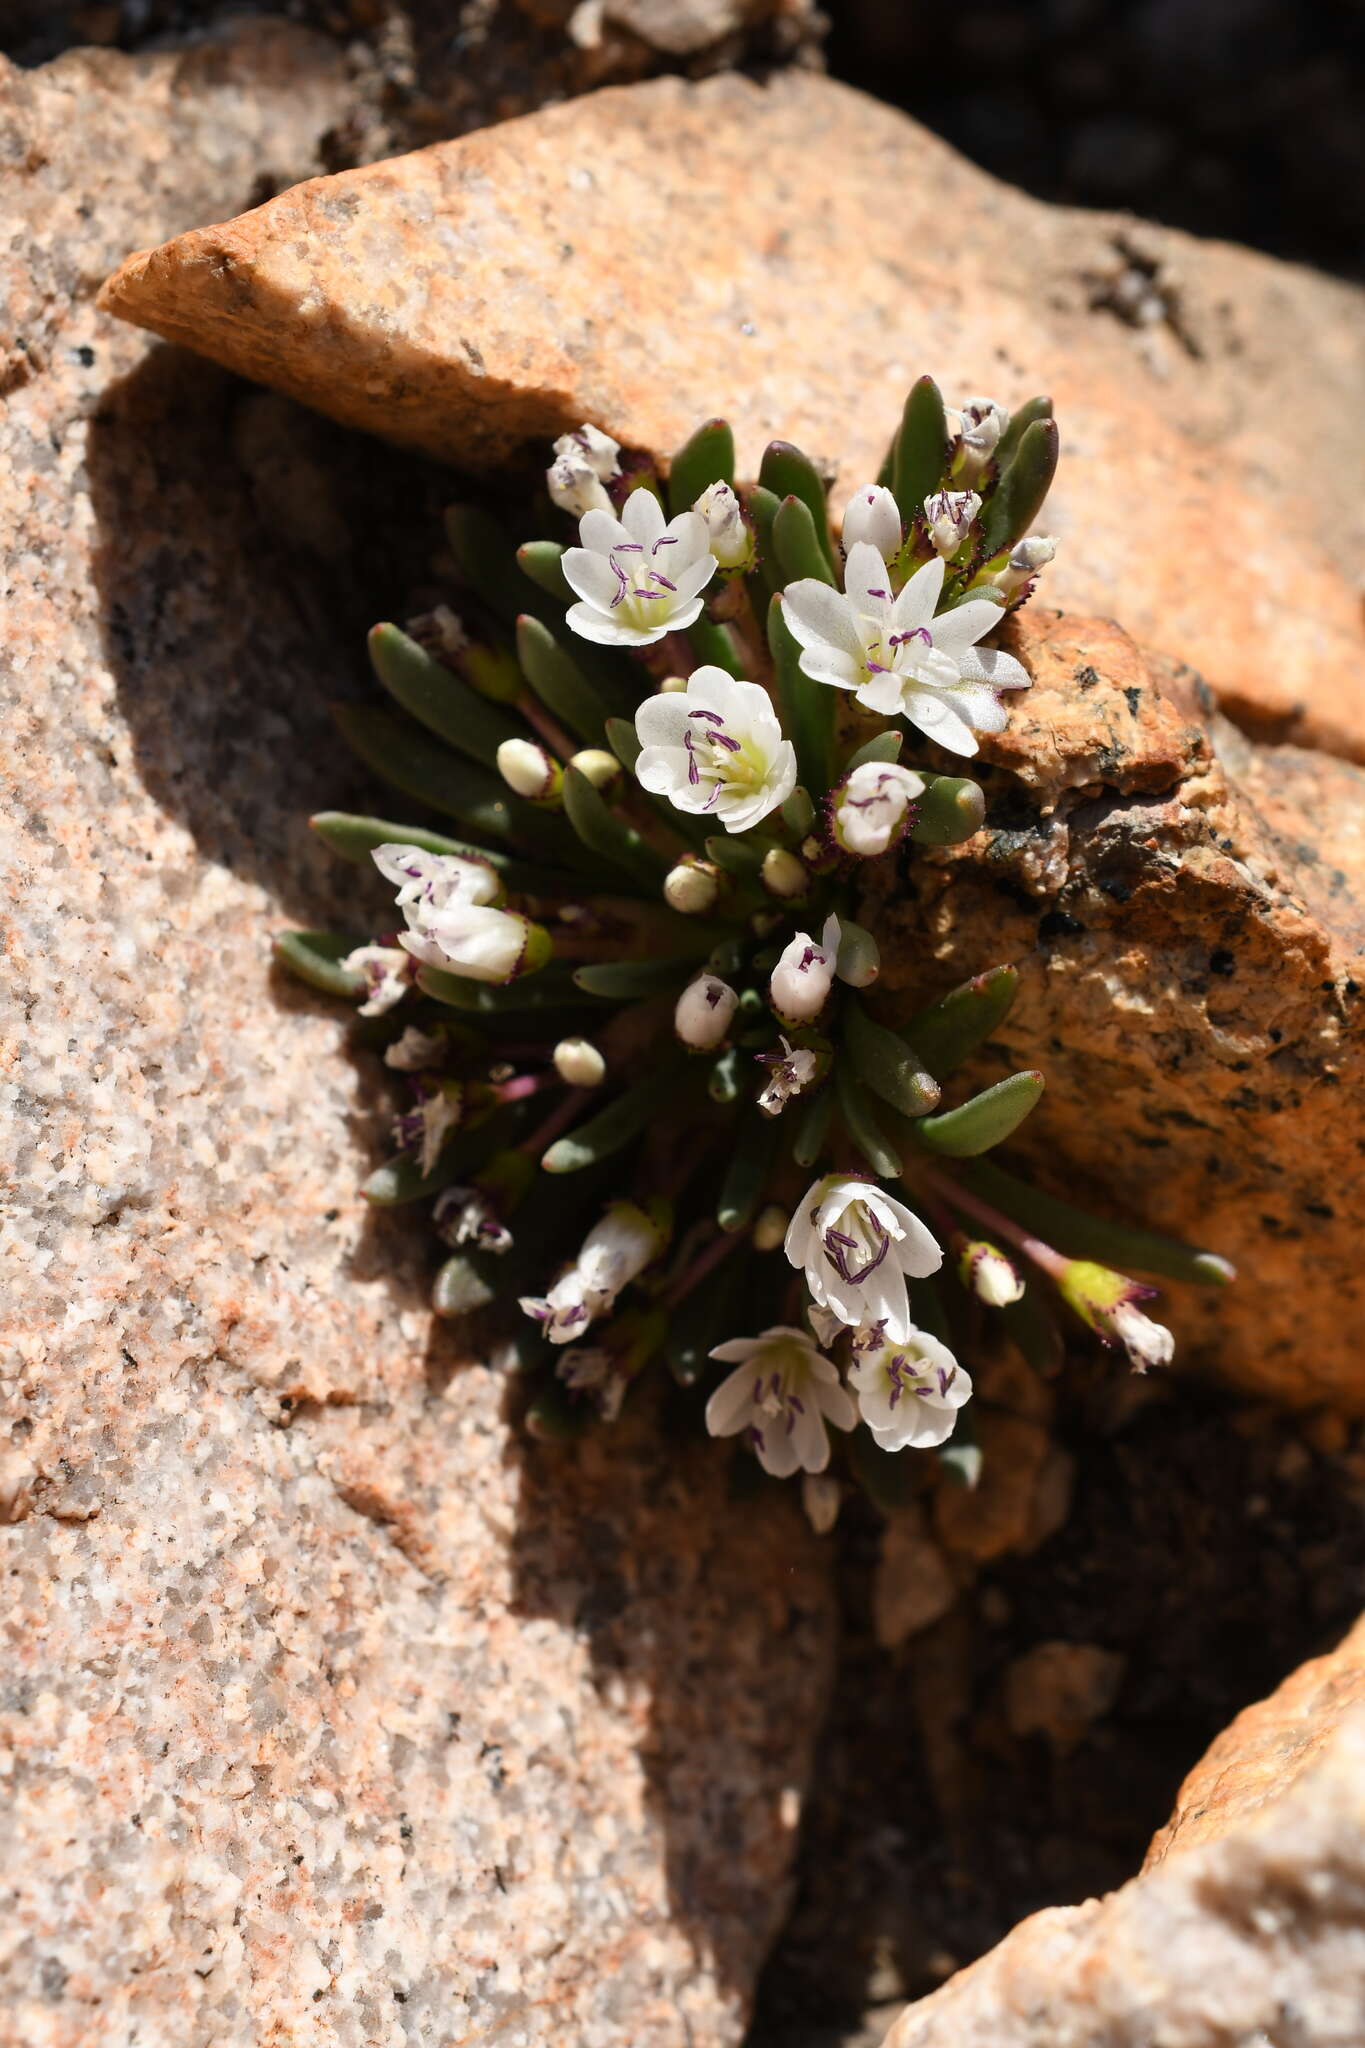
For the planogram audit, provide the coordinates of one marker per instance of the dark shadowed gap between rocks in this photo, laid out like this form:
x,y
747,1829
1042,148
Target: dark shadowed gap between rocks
x,y
1209,1544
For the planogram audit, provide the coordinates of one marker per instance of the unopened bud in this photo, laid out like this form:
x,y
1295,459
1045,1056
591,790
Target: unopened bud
x,y
871,807
803,976
601,768
692,887
672,686
703,1012
578,1062
529,770
987,1273
585,462
728,532
821,1497
982,422
770,1228
782,874
1108,1302
1027,557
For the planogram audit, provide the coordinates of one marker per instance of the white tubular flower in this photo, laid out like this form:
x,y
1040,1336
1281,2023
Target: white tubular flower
x,y
909,1389
731,541
858,1245
1147,1343
1108,1301
636,577
388,976
791,1070
466,1216
1027,558
614,1252
414,1050
873,517
897,657
715,748
872,808
703,1011
692,887
584,464
781,1394
948,515
526,768
802,978
429,1125
446,901
982,424
578,1061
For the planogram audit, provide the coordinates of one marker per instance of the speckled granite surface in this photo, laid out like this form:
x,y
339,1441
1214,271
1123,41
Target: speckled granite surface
x,y
328,1712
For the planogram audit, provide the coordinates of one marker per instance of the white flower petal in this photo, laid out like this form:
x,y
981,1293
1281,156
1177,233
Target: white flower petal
x,y
867,580
817,614
959,629
643,516
991,665
915,604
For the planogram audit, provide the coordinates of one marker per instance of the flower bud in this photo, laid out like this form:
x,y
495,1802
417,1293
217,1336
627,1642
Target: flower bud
x,y
1108,1302
1027,557
802,978
782,874
948,515
982,424
821,1497
874,516
770,1228
703,1012
600,768
526,768
692,887
584,464
578,1062
731,541
985,1272
672,686
872,807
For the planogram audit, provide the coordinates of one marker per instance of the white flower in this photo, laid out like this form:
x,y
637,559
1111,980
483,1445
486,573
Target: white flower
x,y
873,516
702,1014
584,462
446,901
414,1050
896,656
715,748
981,422
858,1245
636,577
614,1252
793,1069
1108,1302
1147,1343
949,514
909,1389
872,807
388,976
578,1062
466,1216
781,1392
1027,557
801,981
430,1123
732,543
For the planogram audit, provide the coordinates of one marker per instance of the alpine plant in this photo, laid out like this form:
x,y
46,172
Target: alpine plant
x,y
625,990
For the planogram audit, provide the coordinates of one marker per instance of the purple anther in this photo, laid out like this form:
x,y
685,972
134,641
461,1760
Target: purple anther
x,y
723,739
659,577
629,547
838,1245
665,540
880,593
714,716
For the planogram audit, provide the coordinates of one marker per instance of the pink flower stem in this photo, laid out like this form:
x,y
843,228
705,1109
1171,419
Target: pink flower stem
x,y
522,1086
558,1121
706,1262
1045,1256
553,734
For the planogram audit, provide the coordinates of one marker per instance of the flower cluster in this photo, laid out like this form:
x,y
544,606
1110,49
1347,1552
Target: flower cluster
x,y
653,758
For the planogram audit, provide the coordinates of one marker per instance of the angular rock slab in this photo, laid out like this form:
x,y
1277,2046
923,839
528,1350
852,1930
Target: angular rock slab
x,y
793,256
1187,913
1248,1926
328,1711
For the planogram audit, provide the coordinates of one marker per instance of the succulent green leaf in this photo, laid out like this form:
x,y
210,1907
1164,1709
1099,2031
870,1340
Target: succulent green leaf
x,y
713,645
741,856
988,1119
487,564
316,957
355,839
628,980
550,988
559,682
761,506
798,812
1018,498
746,1175
410,760
1021,419
812,1126
886,1063
603,832
624,742
543,562
796,544
883,746
462,1285
437,698
1086,1236
708,457
788,473
613,1127
807,709
952,808
949,1031
921,448
859,960
860,1123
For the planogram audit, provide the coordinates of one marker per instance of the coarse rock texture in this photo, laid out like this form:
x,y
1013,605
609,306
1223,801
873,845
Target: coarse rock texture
x,y
652,255
1187,912
330,1710
1266,1749
1250,1929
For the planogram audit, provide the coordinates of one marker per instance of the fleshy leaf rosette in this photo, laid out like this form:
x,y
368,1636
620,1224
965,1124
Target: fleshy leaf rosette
x,y
626,989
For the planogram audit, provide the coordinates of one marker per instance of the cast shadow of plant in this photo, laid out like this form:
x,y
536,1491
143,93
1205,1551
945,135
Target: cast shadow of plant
x,y
244,548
